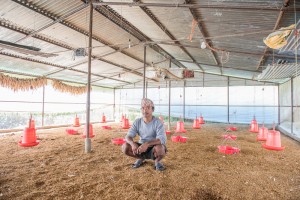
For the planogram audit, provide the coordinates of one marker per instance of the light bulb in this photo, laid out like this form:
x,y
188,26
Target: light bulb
x,y
129,44
203,45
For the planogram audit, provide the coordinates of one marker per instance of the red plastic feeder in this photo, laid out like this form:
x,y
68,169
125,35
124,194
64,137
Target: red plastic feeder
x,y
201,120
118,141
180,127
103,119
253,126
228,149
71,131
106,127
196,124
29,138
262,134
273,141
230,137
175,138
231,128
125,124
178,138
76,122
91,135
168,132
182,139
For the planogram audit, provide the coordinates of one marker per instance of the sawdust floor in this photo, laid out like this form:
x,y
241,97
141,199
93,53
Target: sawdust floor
x,y
58,168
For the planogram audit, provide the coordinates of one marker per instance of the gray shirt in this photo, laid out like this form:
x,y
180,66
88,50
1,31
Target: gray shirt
x,y
148,131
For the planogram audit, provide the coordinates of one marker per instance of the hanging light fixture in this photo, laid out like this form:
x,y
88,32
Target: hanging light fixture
x,y
203,45
129,43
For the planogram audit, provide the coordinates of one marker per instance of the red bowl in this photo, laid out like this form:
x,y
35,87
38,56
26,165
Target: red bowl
x,y
118,141
71,131
175,138
182,139
230,137
106,127
232,128
228,149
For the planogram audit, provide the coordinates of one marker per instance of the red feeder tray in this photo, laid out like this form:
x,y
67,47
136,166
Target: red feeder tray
x,y
175,138
230,137
106,127
272,147
228,149
71,131
118,141
232,128
178,139
28,144
182,139
168,132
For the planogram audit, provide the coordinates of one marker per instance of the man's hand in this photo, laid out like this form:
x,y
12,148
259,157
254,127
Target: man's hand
x,y
134,148
142,148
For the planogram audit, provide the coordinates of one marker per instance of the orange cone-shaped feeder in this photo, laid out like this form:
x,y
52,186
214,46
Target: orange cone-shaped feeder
x,y
125,124
262,134
273,141
180,127
76,122
201,120
29,135
91,135
196,124
103,119
254,126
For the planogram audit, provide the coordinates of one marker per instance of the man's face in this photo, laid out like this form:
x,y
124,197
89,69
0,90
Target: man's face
x,y
146,111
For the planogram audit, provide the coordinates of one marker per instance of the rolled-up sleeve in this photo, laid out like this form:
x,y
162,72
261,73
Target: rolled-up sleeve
x,y
161,134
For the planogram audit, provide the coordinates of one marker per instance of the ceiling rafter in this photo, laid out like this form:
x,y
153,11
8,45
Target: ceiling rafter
x,y
232,51
55,65
214,66
68,14
170,35
189,5
13,27
52,16
205,34
114,17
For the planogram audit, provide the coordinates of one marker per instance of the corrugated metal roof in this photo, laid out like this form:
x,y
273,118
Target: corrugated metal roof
x,y
235,34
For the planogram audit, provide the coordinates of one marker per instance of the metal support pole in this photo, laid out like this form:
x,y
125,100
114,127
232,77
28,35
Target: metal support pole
x,y
43,108
169,108
88,139
144,75
184,84
146,88
292,105
278,102
228,120
114,108
169,114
